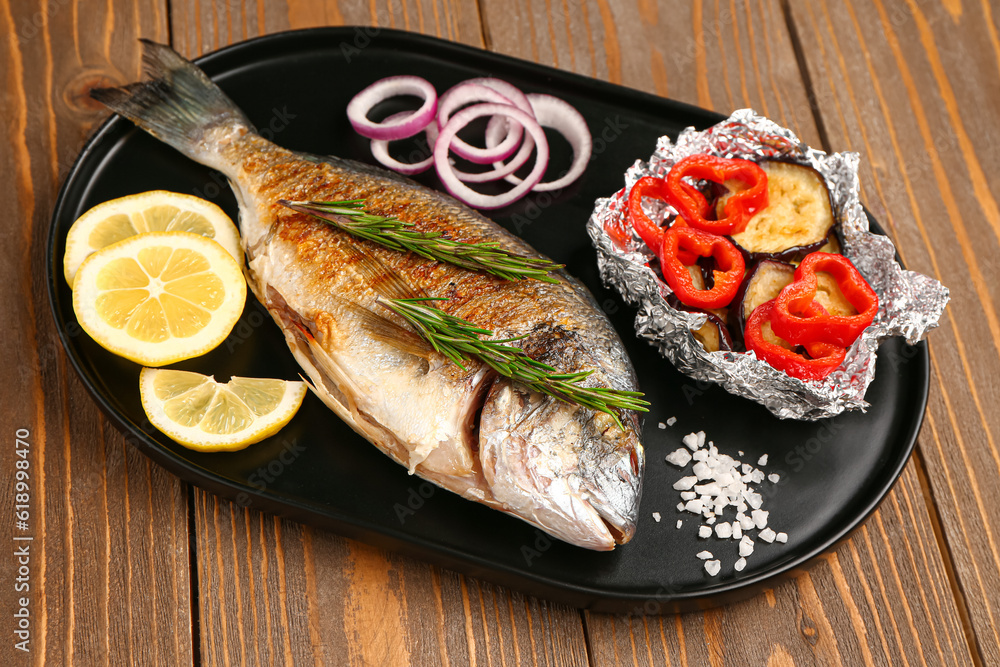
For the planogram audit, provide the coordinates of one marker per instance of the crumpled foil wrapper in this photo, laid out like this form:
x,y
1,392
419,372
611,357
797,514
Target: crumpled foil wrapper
x,y
910,303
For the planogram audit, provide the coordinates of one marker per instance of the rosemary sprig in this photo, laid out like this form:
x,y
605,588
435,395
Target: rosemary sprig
x,y
459,340
351,217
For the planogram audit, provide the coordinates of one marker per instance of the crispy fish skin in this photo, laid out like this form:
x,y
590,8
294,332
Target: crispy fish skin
x,y
566,469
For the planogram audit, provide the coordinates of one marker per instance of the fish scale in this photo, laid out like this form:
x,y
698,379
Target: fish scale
x,y
567,469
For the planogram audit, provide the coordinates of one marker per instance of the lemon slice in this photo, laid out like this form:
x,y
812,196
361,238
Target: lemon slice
x,y
160,297
200,413
154,211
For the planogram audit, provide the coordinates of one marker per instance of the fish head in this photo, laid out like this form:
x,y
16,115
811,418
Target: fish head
x,y
568,469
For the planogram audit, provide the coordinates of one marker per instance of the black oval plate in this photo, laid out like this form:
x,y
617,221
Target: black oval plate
x,y
295,86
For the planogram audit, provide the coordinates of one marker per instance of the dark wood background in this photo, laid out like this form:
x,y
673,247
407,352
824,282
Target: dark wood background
x,y
131,566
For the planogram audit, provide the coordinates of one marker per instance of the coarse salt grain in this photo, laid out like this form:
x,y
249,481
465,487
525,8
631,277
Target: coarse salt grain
x,y
781,537
704,531
759,518
740,564
671,421
704,555
661,425
691,441
724,530
680,522
737,530
713,567
762,461
773,478
746,546
685,483
656,517
767,535
679,458
688,495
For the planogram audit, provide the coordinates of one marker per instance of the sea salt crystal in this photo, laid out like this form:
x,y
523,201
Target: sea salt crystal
x,y
661,425
656,517
773,478
680,523
724,530
767,535
691,440
760,518
685,483
680,507
781,537
688,495
737,530
762,461
680,457
704,531
713,567
694,506
740,564
710,520
671,421
701,470
746,523
746,546
704,555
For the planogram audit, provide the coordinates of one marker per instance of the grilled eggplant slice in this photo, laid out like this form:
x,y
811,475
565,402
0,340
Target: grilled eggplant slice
x,y
797,220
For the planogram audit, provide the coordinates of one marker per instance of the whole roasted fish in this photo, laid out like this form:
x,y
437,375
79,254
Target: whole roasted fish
x,y
567,469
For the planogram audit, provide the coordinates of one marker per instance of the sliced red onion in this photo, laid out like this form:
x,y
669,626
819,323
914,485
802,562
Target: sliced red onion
x,y
560,116
400,128
466,93
508,90
380,151
448,175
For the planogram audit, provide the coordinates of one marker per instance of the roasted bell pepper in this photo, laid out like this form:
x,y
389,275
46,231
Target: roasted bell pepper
x,y
650,233
823,357
790,319
681,248
695,209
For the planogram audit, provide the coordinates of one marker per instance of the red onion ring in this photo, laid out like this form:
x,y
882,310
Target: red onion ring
x,y
554,113
401,128
463,94
449,176
380,150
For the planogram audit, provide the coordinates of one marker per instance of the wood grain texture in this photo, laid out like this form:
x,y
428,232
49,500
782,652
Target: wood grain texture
x,y
276,592
905,84
316,597
109,561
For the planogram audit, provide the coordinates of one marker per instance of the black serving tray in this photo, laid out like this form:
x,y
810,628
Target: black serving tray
x,y
295,87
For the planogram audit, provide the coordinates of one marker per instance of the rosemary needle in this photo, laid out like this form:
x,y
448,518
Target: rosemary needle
x,y
351,217
459,340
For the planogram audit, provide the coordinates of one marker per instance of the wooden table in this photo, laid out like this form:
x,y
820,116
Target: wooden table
x,y
129,565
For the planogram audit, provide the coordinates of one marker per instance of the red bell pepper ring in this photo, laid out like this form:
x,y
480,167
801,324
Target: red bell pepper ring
x,y
650,233
681,244
790,319
694,208
823,357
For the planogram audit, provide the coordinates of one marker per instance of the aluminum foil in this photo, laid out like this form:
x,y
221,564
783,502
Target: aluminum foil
x,y
910,304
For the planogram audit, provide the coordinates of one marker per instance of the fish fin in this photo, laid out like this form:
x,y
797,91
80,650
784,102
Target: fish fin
x,y
386,282
385,330
179,105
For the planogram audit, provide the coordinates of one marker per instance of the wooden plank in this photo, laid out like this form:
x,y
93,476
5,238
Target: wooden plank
x,y
849,609
719,55
905,83
108,563
273,591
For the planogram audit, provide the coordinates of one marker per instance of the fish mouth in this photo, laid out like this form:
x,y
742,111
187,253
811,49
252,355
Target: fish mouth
x,y
566,469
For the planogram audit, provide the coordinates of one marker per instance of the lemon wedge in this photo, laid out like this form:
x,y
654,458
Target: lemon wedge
x,y
200,413
154,211
159,297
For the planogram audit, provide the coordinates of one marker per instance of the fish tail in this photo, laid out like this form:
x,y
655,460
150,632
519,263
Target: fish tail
x,y
178,105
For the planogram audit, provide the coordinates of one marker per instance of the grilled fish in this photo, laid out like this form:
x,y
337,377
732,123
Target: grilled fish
x,y
564,468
